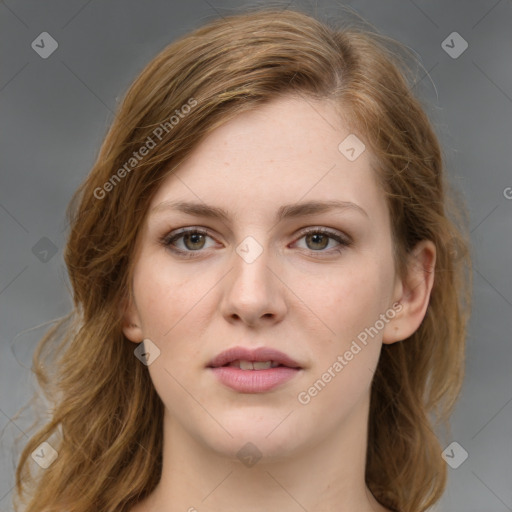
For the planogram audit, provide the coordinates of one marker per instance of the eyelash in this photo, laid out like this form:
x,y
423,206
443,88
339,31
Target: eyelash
x,y
167,241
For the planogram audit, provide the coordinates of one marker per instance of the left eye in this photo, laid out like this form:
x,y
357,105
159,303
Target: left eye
x,y
320,238
194,240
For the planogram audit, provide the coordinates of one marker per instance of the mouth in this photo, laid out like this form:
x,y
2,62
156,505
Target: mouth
x,y
252,365
261,358
253,371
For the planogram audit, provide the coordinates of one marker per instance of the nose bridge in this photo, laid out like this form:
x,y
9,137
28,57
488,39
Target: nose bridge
x,y
252,260
254,291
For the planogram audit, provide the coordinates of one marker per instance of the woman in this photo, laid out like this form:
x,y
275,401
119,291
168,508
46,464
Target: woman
x,y
269,314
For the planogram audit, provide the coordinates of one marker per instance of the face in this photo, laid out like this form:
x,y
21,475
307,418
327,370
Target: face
x,y
318,285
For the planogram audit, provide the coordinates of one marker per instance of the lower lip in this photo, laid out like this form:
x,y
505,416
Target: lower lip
x,y
254,381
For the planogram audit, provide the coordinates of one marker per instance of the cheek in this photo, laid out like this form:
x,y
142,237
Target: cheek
x,y
171,308
346,357
164,297
348,301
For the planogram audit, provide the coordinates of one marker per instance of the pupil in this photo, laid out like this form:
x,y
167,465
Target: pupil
x,y
193,237
318,235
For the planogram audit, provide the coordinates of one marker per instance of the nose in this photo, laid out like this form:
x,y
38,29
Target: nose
x,y
254,292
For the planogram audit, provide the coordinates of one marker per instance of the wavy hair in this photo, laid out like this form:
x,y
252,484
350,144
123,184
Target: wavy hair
x,y
106,417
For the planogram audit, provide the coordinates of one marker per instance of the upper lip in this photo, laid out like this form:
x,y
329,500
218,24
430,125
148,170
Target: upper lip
x,y
258,354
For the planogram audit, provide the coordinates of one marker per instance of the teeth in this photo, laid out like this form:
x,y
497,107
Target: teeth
x,y
256,365
260,365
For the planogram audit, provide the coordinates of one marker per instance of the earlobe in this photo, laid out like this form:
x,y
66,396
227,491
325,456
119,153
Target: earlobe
x,y
414,295
131,323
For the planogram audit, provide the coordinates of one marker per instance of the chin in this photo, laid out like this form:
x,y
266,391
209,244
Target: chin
x,y
268,439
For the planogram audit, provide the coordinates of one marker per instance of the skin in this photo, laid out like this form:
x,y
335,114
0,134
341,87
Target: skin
x,y
291,298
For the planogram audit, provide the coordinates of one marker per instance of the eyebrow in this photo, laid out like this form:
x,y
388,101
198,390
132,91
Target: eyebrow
x,y
287,211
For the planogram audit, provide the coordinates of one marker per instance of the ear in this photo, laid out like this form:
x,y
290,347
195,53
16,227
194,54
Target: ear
x,y
131,324
413,293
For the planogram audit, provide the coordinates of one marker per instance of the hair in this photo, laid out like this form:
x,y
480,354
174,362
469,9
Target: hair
x,y
106,417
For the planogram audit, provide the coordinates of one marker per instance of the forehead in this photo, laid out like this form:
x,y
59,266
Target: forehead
x,y
288,150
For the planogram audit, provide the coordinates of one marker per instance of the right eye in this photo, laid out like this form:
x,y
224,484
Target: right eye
x,y
193,241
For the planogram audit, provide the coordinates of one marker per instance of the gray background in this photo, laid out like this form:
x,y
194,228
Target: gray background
x,y
54,114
